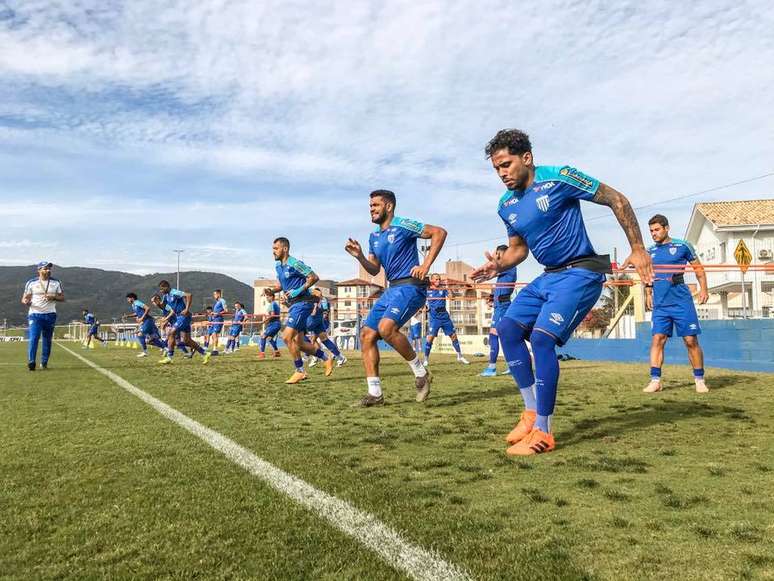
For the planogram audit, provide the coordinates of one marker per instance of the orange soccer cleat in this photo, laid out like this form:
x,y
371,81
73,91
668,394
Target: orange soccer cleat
x,y
329,363
261,355
536,442
523,428
297,377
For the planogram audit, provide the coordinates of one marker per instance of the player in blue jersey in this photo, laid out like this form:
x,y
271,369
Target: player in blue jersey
x,y
271,324
315,326
541,212
180,303
437,296
294,280
208,330
147,332
672,303
240,316
501,301
219,309
394,246
92,330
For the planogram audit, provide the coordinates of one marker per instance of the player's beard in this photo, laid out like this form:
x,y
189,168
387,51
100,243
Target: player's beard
x,y
380,218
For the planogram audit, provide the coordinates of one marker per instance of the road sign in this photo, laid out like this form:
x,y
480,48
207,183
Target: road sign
x,y
743,256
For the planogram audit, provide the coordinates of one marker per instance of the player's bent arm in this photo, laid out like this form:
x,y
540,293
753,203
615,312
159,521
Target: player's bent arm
x,y
701,276
437,237
26,299
372,265
516,253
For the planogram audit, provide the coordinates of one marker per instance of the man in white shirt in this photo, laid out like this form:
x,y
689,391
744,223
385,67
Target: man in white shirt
x,y
41,295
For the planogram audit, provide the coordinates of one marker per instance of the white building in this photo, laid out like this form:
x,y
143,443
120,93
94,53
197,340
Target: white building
x,y
715,229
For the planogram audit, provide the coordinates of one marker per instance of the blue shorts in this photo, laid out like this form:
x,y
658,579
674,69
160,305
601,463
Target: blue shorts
x,y
682,318
557,302
215,327
148,327
315,324
499,312
298,314
272,329
94,329
415,331
326,325
182,324
398,304
438,323
235,330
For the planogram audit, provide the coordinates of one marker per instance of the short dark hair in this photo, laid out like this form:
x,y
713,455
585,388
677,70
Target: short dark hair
x,y
238,303
386,194
208,308
282,240
165,283
85,310
659,219
502,248
515,141
156,297
269,291
131,296
217,290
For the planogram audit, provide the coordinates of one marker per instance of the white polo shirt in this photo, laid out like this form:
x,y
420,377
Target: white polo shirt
x,y
40,291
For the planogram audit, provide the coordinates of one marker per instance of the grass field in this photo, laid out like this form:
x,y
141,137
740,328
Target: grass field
x,y
94,483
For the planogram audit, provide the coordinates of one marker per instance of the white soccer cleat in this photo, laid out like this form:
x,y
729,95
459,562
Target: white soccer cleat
x,y
313,361
653,387
143,354
426,363
341,361
461,359
701,387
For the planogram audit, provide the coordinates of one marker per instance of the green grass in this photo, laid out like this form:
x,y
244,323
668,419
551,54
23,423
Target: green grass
x,y
93,483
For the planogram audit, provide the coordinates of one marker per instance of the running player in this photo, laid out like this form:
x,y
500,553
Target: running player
x,y
501,301
271,324
240,315
165,324
315,325
394,246
147,332
219,309
440,319
180,303
41,295
415,332
672,303
208,330
93,328
295,278
541,212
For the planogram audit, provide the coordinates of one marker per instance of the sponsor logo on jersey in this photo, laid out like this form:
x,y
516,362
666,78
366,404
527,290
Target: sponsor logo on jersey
x,y
542,203
556,318
575,176
510,202
544,187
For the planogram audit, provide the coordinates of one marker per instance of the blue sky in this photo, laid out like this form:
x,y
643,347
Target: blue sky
x,y
127,130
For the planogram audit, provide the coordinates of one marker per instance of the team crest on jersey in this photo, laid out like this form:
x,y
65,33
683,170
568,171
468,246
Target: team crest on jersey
x,y
512,218
542,203
673,251
391,238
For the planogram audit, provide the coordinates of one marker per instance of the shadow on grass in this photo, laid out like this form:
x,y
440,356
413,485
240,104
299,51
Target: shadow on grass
x,y
715,382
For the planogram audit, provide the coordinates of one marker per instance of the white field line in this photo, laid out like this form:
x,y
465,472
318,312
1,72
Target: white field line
x,y
386,542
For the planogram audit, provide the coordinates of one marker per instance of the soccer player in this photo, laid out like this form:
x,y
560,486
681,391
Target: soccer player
x,y
180,303
93,331
236,326
394,246
415,332
501,300
219,309
208,330
295,279
440,319
271,324
541,212
147,332
41,295
672,303
315,325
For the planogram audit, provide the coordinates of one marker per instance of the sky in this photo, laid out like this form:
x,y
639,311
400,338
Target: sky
x,y
129,129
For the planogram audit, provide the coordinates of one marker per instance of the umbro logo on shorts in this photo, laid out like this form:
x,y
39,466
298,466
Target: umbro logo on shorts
x,y
556,318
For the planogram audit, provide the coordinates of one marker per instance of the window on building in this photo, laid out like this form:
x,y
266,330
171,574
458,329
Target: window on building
x,y
723,252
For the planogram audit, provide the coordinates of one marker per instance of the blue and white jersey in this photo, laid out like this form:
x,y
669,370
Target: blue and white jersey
x,y
273,310
292,275
138,308
166,310
396,247
504,286
436,302
175,299
41,290
218,309
547,214
675,252
240,316
324,306
89,318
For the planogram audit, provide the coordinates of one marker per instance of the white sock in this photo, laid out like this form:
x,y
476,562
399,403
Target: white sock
x,y
417,367
374,386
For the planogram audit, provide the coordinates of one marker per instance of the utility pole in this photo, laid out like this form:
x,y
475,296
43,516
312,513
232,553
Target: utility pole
x,y
179,252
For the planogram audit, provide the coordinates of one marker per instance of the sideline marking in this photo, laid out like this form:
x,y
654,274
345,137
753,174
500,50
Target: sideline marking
x,y
386,542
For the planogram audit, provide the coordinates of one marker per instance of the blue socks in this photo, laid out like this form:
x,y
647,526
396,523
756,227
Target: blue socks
x,y
156,342
273,343
513,339
141,340
456,345
655,373
698,373
494,348
263,344
299,363
321,355
547,371
428,348
331,346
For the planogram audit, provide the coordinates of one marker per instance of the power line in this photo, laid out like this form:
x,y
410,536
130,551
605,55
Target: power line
x,y
645,206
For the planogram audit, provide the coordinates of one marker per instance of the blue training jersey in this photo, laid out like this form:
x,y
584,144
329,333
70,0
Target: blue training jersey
x,y
217,310
396,247
90,319
436,301
547,214
273,309
239,316
677,252
292,275
175,298
165,310
505,278
138,307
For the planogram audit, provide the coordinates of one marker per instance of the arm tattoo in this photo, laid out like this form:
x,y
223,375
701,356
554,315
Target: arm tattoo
x,y
616,201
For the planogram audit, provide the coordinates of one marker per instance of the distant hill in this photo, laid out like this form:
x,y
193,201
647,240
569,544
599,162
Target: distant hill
x,y
104,291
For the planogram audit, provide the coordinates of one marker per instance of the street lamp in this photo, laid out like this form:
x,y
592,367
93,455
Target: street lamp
x,y
179,252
